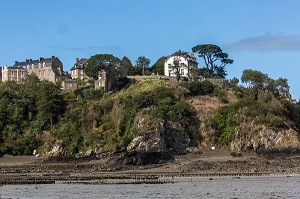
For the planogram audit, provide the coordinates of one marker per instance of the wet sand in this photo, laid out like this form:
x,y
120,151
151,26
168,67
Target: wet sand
x,y
39,170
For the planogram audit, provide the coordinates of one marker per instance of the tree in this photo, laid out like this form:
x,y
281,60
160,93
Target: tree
x,y
127,65
100,62
176,68
256,79
50,104
282,87
214,58
142,62
159,66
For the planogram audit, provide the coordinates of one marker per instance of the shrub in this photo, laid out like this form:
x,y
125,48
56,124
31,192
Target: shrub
x,y
224,122
199,87
277,122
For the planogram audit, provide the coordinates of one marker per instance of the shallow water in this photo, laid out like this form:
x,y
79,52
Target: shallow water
x,y
185,187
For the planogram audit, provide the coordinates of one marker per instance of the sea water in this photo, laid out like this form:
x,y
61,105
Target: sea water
x,y
184,187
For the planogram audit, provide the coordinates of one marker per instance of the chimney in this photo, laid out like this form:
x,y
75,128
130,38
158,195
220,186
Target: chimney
x,y
77,61
53,57
41,59
16,62
192,54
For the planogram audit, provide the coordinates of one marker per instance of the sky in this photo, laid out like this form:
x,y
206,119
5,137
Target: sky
x,y
262,35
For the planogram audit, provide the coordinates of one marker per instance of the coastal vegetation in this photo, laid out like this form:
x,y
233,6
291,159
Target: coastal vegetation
x,y
37,115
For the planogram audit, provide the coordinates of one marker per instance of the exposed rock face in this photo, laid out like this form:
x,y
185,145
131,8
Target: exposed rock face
x,y
151,135
259,138
176,139
155,135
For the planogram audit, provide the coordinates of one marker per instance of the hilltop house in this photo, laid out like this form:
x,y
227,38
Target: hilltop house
x,y
77,71
186,62
106,80
50,69
13,73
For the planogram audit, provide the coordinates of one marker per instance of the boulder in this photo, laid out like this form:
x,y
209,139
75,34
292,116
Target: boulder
x,y
151,135
90,152
56,150
156,135
194,150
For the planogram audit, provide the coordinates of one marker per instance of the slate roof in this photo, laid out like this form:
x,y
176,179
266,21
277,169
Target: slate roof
x,y
47,61
80,63
15,67
182,54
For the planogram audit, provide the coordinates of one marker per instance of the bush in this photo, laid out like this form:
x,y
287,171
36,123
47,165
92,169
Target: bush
x,y
224,122
92,94
199,87
277,122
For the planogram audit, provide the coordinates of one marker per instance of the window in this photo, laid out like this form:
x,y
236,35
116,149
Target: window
x,y
12,73
182,71
22,73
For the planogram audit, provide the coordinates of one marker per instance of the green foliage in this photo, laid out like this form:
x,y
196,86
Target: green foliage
x,y
259,81
222,96
234,82
127,65
143,63
199,87
158,67
100,62
92,94
26,110
224,122
212,54
122,82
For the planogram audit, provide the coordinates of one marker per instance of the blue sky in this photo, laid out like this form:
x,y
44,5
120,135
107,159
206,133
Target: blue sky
x,y
262,35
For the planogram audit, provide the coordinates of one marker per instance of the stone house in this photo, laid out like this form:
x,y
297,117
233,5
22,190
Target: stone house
x,y
50,69
77,71
69,84
109,80
186,62
13,73
106,80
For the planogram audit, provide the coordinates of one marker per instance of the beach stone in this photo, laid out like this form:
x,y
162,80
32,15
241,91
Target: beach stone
x,y
194,150
57,150
90,152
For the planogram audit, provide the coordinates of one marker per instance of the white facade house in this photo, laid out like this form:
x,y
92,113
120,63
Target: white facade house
x,y
186,62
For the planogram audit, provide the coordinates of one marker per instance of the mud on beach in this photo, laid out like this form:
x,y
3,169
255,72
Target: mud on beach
x,y
39,170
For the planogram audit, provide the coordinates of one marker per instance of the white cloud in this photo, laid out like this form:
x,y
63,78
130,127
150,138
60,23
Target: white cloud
x,y
267,42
